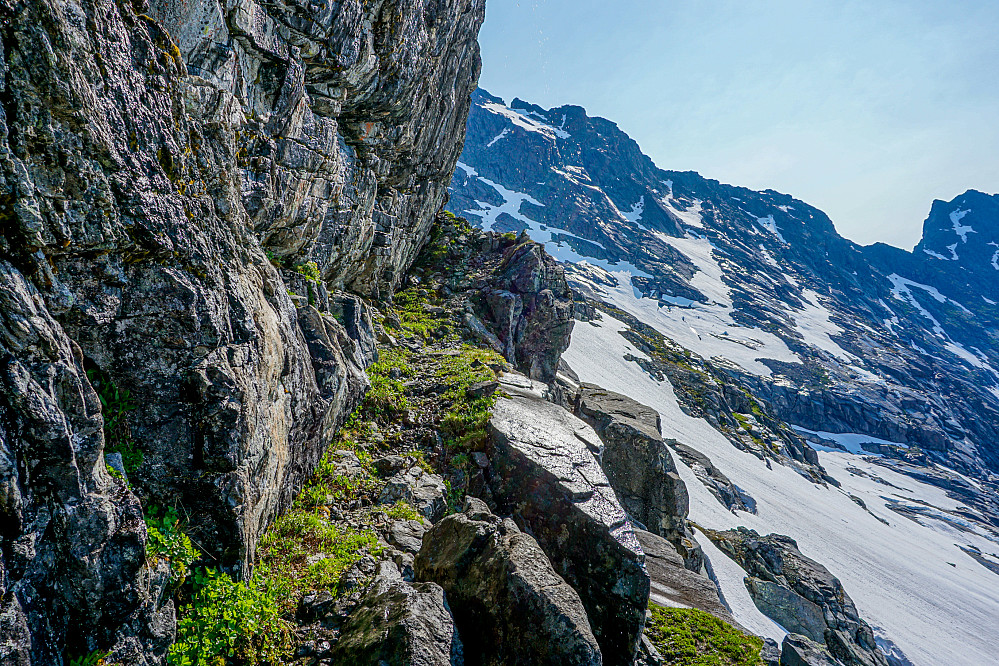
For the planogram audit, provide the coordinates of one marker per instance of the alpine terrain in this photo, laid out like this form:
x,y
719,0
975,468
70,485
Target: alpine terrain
x,y
842,396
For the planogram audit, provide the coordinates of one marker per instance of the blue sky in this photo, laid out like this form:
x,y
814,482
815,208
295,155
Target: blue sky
x,y
867,110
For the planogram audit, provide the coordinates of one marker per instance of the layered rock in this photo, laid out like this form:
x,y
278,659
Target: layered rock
x,y
528,305
801,595
399,624
153,166
639,466
544,473
509,604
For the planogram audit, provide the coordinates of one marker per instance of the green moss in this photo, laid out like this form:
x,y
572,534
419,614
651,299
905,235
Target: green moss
x,y
690,637
402,511
464,423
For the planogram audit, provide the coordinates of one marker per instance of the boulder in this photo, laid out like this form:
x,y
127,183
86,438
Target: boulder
x,y
399,624
423,490
509,604
675,585
545,474
639,466
800,594
407,535
713,478
798,650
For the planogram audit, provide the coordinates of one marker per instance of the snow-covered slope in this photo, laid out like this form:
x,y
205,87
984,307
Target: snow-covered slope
x,y
748,322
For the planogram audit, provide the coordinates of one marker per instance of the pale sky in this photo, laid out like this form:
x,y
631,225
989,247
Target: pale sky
x,y
867,110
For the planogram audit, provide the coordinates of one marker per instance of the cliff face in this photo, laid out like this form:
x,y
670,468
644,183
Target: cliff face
x,y
163,168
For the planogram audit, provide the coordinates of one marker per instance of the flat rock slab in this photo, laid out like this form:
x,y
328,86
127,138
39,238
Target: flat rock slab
x,y
545,474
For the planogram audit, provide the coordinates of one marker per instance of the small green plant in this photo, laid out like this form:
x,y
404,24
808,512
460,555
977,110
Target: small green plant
x,y
304,552
309,270
386,398
116,403
690,637
95,658
167,541
402,511
229,621
509,237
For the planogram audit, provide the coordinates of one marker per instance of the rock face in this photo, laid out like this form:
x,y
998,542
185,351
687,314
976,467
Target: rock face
x,y
798,650
509,604
423,490
675,585
639,466
400,624
151,163
544,473
801,595
528,304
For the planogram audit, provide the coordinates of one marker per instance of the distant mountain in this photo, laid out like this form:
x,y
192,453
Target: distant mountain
x,y
837,337
751,326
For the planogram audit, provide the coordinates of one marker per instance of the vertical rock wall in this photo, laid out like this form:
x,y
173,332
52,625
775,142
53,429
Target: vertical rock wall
x,y
156,163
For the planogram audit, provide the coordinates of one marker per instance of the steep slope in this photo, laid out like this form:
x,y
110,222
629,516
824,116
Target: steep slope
x,y
740,315
835,341
184,188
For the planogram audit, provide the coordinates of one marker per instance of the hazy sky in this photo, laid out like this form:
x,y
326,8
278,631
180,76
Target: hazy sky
x,y
868,110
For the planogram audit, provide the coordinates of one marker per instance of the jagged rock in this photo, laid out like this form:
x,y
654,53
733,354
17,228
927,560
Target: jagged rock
x,y
389,465
770,654
713,478
798,650
346,463
675,585
509,604
423,490
544,473
528,303
143,187
400,624
407,535
639,466
800,594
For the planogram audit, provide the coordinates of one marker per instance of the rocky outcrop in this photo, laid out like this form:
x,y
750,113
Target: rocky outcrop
x,y
801,595
544,474
400,624
527,303
798,650
509,604
421,489
167,174
719,485
639,466
675,585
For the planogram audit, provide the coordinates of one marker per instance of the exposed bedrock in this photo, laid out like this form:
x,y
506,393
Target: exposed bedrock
x,y
164,170
800,594
509,604
639,466
544,473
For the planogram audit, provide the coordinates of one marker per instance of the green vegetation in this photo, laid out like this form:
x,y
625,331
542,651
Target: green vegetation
x,y
402,511
464,424
168,542
309,270
95,658
509,237
229,622
116,403
690,637
303,552
412,310
386,399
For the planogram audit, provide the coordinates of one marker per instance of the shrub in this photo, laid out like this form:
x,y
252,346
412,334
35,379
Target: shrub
x,y
167,541
116,403
690,637
229,622
95,658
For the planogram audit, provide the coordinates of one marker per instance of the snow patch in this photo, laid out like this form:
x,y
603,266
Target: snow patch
x,y
770,225
960,229
851,441
526,122
635,215
936,254
501,135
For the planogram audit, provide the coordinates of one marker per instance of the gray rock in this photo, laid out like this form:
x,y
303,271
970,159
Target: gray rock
x,y
346,463
713,478
482,389
639,466
798,650
675,585
798,591
400,624
391,464
509,604
545,474
423,490
117,463
407,535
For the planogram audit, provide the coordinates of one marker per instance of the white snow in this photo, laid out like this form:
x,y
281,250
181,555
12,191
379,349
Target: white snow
x,y
936,254
899,575
690,217
988,300
851,441
506,130
767,257
995,256
960,229
953,251
635,215
526,122
770,225
816,326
